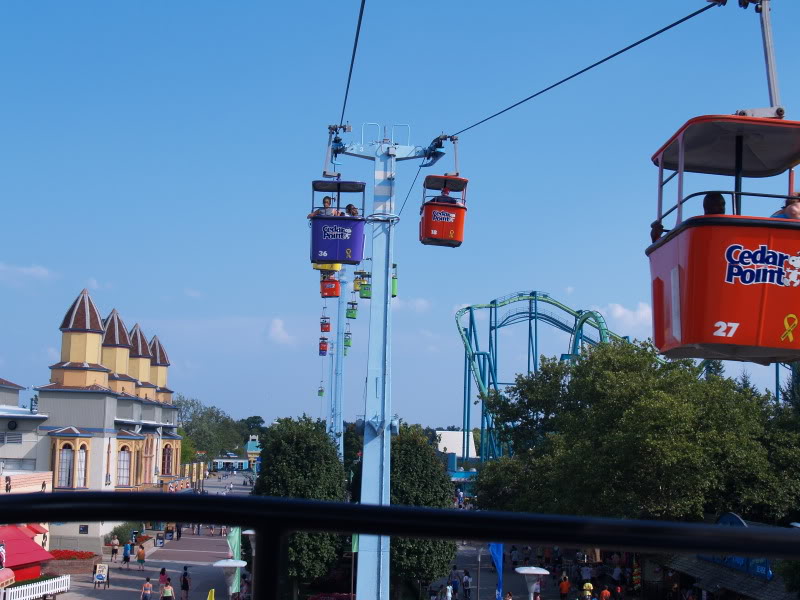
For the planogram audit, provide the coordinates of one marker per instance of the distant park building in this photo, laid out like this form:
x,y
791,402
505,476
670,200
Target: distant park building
x,y
104,422
253,450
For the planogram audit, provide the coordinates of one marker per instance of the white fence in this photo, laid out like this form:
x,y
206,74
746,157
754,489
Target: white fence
x,y
36,590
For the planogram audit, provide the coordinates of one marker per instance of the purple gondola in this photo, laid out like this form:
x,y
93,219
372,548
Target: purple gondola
x,y
337,226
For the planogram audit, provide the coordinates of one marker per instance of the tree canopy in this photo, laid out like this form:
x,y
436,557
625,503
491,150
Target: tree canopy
x,y
621,433
299,460
419,479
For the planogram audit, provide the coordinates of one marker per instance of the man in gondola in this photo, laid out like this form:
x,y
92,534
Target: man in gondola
x,y
327,210
445,197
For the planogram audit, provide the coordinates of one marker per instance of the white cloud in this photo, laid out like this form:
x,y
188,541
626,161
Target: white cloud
x,y
53,353
569,289
278,333
14,275
192,293
634,322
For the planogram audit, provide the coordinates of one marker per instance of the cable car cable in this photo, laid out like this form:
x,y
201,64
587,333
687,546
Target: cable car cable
x,y
409,191
592,66
352,60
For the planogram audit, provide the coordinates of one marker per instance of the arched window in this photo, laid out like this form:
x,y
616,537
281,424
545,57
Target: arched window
x,y
66,457
80,479
166,460
124,466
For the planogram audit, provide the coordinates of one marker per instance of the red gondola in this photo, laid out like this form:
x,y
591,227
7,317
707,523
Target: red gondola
x,y
329,286
323,346
324,323
727,286
442,215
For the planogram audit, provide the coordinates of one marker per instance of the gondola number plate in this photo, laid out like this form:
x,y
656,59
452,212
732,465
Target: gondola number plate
x,y
724,329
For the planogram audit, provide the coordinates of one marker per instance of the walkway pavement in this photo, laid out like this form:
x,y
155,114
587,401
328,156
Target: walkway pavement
x,y
196,552
467,558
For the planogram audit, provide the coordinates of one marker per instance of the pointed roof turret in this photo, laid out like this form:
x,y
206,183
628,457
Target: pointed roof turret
x,y
82,315
160,358
139,347
116,334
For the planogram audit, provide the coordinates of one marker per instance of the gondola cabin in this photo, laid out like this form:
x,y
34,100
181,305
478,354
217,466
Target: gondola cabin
x,y
443,211
324,324
348,339
394,281
359,278
352,309
725,284
327,266
323,346
365,289
329,287
337,221
320,391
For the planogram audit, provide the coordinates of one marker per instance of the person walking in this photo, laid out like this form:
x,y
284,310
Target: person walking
x,y
126,555
162,581
178,530
140,557
467,585
186,583
168,593
147,589
114,548
563,587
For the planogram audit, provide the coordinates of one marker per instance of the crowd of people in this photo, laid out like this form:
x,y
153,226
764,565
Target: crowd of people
x,y
165,589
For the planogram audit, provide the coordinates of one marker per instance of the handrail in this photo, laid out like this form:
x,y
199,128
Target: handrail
x,y
274,518
732,193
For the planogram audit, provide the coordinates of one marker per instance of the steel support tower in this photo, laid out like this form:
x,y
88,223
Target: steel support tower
x,y
335,424
379,423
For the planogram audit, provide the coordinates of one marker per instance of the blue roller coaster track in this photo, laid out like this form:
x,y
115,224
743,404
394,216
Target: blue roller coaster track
x,y
533,308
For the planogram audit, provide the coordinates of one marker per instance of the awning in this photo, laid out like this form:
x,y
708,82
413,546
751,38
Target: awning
x,y
20,548
36,528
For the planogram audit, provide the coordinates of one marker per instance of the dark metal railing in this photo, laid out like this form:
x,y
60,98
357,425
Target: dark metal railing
x,y
274,518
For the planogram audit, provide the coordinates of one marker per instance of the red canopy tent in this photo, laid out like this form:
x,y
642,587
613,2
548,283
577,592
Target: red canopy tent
x,y
23,555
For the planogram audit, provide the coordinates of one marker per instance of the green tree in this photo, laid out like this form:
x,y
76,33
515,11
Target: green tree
x,y
299,460
419,479
188,449
621,433
207,427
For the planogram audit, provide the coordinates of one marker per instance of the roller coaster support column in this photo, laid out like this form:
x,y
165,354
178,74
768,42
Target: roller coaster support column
x,y
373,555
337,427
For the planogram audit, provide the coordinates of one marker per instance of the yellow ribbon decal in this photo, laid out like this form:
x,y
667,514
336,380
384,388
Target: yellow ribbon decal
x,y
452,234
348,253
790,322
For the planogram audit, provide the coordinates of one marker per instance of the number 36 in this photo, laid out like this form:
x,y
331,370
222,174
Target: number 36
x,y
724,329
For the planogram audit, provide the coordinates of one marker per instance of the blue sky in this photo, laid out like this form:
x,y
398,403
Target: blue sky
x,y
160,154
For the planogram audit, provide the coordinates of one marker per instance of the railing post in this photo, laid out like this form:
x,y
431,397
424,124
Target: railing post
x,y
269,563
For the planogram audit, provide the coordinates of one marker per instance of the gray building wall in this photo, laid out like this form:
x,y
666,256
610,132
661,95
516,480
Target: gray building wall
x,y
9,397
77,408
27,450
125,409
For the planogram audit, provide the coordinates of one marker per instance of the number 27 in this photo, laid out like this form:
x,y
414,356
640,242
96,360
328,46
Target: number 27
x,y
725,329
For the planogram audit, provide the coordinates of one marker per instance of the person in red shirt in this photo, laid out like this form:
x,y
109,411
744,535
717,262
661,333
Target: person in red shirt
x,y
605,594
564,587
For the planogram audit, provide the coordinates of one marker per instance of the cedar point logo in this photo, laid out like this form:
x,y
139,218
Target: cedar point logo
x,y
336,232
762,265
444,216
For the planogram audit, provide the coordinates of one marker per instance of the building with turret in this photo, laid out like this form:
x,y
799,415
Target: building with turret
x,y
108,422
